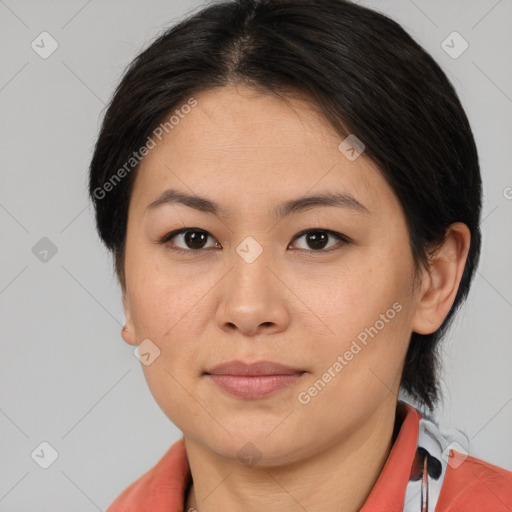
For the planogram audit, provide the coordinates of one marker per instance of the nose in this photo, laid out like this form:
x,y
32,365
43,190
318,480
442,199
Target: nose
x,y
253,300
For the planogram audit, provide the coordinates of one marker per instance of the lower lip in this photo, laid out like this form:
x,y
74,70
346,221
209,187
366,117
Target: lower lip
x,y
256,386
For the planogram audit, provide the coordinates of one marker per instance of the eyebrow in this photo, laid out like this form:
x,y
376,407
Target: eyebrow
x,y
337,199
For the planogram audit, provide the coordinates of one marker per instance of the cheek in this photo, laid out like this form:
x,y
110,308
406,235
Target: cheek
x,y
166,298
350,299
174,312
361,311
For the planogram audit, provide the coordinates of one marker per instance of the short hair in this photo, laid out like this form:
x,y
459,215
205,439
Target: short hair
x,y
369,78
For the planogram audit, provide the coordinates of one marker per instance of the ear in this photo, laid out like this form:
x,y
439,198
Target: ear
x,y
128,331
441,280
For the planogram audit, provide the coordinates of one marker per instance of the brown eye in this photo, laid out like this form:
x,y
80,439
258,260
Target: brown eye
x,y
195,239
190,239
317,240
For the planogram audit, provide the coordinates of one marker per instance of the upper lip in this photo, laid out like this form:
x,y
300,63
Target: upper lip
x,y
237,367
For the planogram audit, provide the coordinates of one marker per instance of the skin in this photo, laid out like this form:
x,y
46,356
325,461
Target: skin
x,y
250,151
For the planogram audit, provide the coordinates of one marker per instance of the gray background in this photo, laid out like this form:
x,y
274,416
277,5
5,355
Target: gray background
x,y
66,376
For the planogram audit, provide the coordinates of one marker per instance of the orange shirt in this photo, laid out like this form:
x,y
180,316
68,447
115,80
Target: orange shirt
x,y
468,484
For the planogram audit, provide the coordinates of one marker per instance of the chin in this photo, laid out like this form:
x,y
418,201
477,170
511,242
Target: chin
x,y
255,447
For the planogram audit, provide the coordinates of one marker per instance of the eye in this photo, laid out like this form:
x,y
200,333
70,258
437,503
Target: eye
x,y
318,238
194,240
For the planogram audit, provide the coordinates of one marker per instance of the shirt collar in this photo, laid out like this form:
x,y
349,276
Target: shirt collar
x,y
388,493
163,487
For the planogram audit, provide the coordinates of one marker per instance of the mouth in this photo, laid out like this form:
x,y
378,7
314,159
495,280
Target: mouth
x,y
258,368
253,380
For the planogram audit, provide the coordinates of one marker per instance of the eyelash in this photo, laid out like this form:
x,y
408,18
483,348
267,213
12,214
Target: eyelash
x,y
339,236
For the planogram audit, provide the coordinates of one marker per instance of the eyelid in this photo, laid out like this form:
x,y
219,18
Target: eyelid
x,y
334,234
181,231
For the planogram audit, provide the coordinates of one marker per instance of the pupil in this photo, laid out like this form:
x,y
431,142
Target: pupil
x,y
192,237
317,240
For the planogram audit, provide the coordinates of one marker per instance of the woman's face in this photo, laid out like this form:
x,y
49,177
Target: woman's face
x,y
257,287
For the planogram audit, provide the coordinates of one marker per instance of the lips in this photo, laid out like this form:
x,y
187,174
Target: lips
x,y
253,380
257,368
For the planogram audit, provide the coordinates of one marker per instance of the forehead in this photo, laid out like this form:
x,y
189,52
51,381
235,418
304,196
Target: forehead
x,y
241,145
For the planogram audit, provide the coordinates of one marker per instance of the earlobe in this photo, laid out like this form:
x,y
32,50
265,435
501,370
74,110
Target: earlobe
x,y
127,336
441,280
128,331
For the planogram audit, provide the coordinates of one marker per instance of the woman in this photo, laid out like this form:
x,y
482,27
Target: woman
x,y
291,192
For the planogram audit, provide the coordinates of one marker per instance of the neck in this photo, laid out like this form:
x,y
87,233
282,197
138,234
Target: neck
x,y
340,477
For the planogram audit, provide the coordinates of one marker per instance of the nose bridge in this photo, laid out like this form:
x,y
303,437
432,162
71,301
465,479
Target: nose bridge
x,y
250,298
251,262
